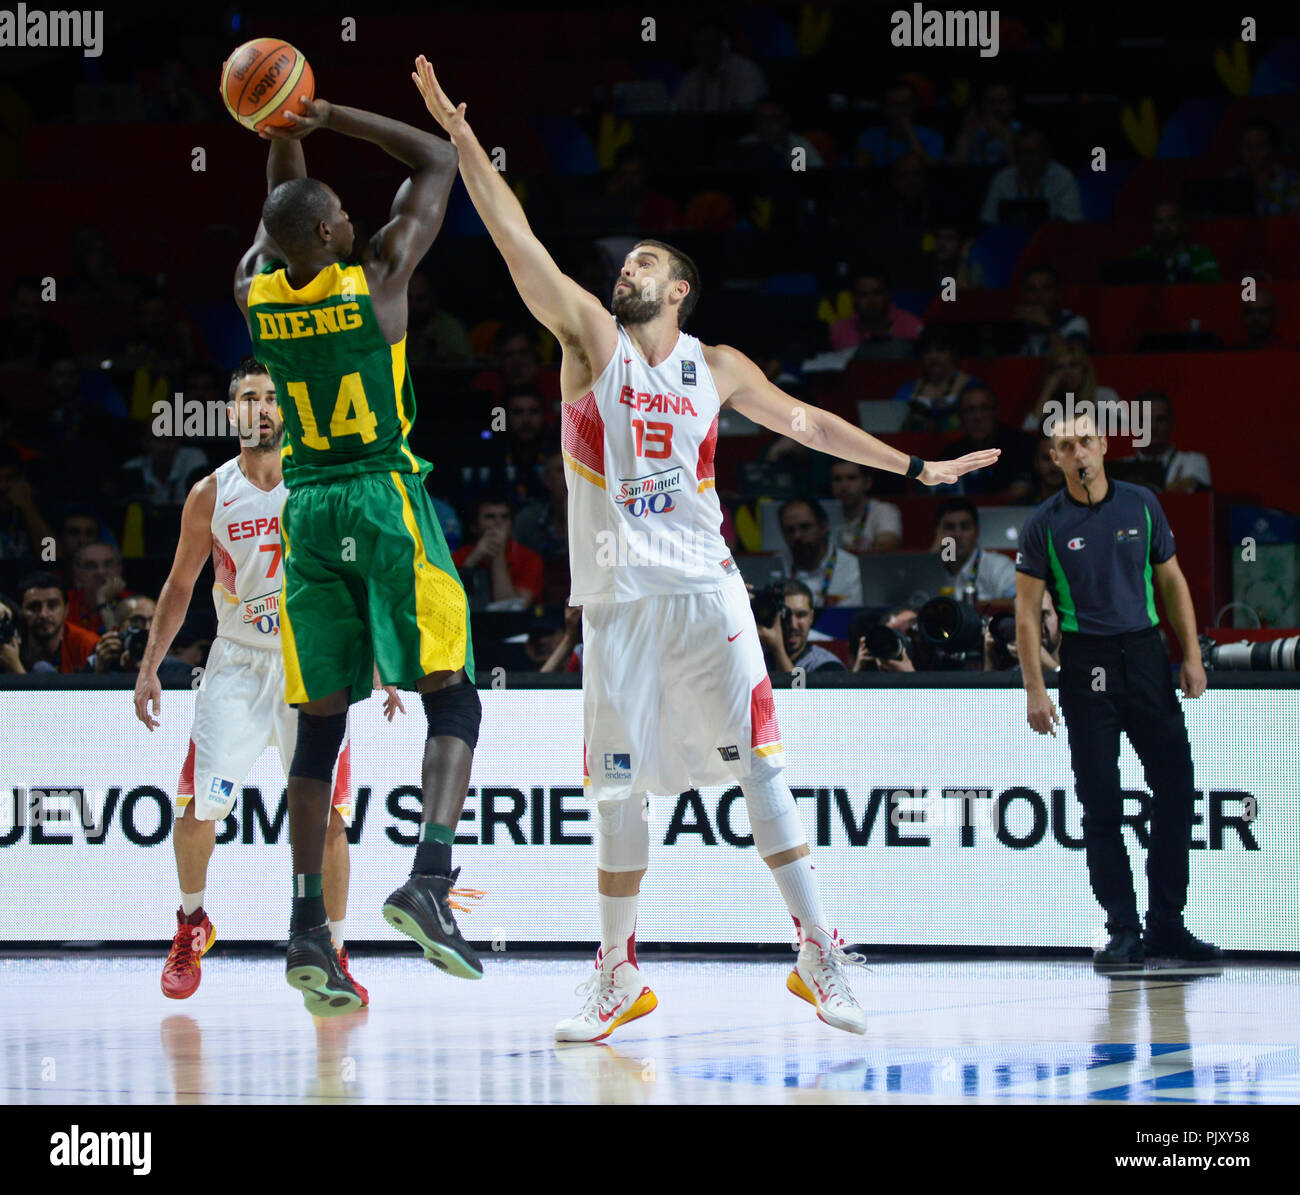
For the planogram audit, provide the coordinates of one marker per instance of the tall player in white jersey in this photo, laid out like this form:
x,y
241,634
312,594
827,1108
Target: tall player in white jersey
x,y
675,692
233,515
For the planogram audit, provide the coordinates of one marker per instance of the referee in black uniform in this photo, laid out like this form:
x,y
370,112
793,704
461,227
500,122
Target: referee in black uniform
x,y
1102,547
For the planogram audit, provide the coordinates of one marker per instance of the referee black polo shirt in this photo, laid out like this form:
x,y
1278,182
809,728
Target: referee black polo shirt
x,y
1097,561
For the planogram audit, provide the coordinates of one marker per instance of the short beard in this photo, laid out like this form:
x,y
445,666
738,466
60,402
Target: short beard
x,y
267,443
631,310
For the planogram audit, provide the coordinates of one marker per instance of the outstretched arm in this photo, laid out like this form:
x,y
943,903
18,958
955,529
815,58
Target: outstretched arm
x,y
573,314
284,161
742,384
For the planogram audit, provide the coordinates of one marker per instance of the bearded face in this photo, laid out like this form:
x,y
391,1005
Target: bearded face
x,y
637,303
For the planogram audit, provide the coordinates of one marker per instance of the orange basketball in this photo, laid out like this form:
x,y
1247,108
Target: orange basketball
x,y
261,79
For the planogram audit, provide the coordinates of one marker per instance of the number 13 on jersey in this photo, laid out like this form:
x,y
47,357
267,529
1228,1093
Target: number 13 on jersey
x,y
351,416
654,440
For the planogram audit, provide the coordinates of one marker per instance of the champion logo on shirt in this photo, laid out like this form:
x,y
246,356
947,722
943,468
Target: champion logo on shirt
x,y
1075,544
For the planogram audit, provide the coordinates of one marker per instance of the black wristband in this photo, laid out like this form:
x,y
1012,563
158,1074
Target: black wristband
x,y
915,466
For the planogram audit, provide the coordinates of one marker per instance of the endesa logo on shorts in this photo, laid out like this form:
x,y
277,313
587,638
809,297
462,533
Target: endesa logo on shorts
x,y
264,613
649,495
618,765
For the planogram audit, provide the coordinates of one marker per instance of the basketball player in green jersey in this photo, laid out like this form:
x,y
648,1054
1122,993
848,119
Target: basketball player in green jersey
x,y
368,580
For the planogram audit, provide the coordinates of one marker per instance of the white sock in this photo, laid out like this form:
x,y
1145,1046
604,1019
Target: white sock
x,y
191,902
336,932
798,887
618,924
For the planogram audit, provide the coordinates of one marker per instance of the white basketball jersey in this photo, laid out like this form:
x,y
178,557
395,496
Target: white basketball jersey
x,y
644,516
246,557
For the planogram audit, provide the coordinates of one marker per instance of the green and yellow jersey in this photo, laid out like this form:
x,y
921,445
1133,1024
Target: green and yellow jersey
x,y
345,393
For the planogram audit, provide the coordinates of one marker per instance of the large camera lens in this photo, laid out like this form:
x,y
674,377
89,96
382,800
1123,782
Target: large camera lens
x,y
885,643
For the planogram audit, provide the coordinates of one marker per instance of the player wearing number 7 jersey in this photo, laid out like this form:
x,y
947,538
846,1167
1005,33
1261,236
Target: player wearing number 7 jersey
x,y
675,693
368,580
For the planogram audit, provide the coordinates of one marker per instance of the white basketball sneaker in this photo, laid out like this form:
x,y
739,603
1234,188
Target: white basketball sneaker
x,y
615,995
819,978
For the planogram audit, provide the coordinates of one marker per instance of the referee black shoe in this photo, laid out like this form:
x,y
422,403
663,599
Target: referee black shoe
x,y
312,966
421,909
1123,951
1169,938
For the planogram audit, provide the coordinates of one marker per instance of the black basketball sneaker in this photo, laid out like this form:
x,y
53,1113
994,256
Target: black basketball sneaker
x,y
422,909
312,966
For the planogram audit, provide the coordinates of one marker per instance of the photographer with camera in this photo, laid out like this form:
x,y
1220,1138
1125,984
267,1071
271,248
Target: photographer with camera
x,y
38,637
1002,653
122,647
886,645
783,613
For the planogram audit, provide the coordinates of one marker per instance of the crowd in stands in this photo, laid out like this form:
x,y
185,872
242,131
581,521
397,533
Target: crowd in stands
x,y
881,254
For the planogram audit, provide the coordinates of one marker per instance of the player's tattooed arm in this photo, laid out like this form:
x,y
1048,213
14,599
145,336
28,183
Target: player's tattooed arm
x,y
192,551
284,161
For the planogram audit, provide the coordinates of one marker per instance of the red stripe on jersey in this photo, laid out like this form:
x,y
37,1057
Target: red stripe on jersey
x,y
186,787
762,715
704,470
224,567
582,432
343,777
584,760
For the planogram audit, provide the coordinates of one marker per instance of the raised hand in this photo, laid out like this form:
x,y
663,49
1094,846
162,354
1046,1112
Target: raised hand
x,y
316,116
450,117
946,472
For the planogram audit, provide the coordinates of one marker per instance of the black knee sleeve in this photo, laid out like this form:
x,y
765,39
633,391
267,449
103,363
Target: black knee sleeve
x,y
319,739
454,710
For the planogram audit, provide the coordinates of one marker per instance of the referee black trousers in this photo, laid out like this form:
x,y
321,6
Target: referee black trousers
x,y
1121,684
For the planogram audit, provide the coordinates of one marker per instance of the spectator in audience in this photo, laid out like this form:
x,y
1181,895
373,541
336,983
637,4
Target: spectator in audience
x,y
434,336
29,339
95,279
1277,188
544,636
205,384
163,473
1000,656
1034,176
1177,472
977,575
519,368
11,635
1012,474
832,575
650,211
772,146
876,322
1048,477
516,571
1181,260
785,639
47,641
543,525
510,460
1067,370
9,441
23,529
949,257
566,655
191,647
121,647
1259,318
97,585
932,397
721,80
902,621
884,144
80,526
156,347
1048,325
910,201
869,524
989,129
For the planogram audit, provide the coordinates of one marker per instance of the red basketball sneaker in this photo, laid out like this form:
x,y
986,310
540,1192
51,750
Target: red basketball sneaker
x,y
182,970
343,962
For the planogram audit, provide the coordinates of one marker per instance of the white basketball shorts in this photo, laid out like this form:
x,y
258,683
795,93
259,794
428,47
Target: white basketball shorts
x,y
240,711
675,693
